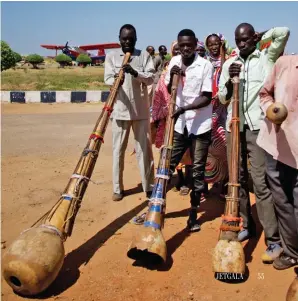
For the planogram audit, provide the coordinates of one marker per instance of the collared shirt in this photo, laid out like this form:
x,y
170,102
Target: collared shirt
x,y
253,74
132,102
281,86
198,79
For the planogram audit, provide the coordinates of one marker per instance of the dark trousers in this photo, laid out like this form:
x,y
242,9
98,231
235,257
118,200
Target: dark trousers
x,y
198,145
264,202
283,181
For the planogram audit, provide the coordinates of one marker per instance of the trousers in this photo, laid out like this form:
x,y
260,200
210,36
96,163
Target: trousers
x,y
283,181
198,145
264,202
143,148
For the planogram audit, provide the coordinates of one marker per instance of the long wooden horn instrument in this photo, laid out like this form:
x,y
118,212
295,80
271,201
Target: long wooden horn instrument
x,y
228,255
149,244
34,259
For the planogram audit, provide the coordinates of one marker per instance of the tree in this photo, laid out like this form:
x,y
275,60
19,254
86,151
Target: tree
x,y
34,59
84,59
7,57
63,59
17,57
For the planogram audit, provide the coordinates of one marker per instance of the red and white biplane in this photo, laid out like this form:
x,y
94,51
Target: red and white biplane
x,y
75,51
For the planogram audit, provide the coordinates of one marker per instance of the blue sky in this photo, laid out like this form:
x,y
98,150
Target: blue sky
x,y
26,25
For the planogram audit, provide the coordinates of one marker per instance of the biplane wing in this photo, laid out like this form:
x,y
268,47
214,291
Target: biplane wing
x,y
53,47
100,46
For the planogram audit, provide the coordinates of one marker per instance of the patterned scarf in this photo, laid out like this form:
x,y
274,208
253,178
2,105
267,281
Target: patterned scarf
x,y
200,45
173,45
216,61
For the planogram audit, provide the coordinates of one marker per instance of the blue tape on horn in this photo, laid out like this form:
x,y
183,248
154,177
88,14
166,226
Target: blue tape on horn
x,y
157,191
163,171
155,208
152,224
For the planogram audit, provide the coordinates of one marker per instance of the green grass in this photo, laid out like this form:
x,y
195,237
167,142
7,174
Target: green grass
x,y
52,78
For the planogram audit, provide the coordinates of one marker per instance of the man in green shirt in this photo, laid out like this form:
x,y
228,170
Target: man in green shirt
x,y
253,66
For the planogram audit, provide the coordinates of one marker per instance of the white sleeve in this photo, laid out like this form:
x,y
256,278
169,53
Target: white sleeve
x,y
109,70
207,78
147,75
222,89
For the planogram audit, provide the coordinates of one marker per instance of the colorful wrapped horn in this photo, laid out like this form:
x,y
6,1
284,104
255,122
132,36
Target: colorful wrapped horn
x,y
149,243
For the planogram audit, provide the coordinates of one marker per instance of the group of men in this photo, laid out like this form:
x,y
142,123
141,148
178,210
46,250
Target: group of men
x,y
159,64
265,77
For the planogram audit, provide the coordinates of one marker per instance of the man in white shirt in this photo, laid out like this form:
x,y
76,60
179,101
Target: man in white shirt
x,y
193,116
131,109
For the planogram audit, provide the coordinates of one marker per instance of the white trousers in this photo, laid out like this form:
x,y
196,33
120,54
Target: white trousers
x,y
143,148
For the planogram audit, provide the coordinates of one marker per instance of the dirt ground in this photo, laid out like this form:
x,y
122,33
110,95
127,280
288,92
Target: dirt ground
x,y
41,144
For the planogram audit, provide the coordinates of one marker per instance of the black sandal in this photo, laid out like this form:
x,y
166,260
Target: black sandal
x,y
184,190
194,227
192,223
139,219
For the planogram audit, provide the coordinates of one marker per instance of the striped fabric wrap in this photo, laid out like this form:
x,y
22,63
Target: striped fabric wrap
x,y
217,164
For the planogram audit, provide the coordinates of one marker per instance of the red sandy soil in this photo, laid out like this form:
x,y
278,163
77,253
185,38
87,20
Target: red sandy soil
x,y
41,145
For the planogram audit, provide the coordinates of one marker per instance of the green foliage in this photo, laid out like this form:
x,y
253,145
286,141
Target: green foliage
x,y
63,59
34,58
52,78
7,57
84,59
17,57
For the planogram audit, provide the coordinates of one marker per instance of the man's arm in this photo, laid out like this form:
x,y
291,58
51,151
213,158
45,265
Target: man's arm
x,y
147,76
225,87
157,62
279,36
202,101
109,71
267,92
205,97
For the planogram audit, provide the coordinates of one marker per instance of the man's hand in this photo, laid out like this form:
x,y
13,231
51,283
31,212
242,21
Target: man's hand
x,y
123,78
259,35
234,70
230,125
128,69
176,70
177,113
